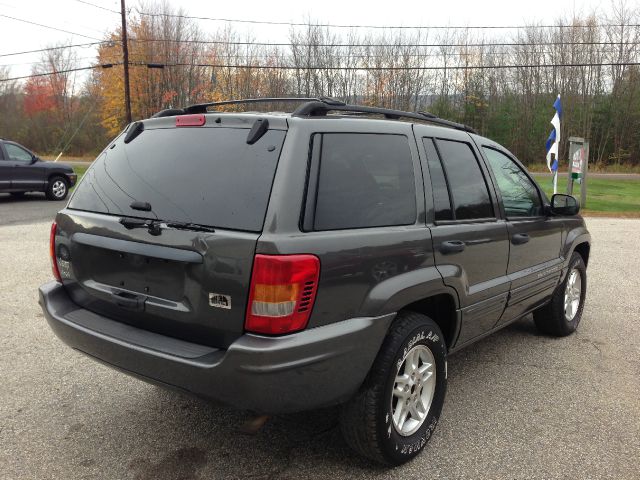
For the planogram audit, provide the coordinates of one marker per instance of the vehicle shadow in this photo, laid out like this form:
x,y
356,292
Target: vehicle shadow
x,y
196,439
27,197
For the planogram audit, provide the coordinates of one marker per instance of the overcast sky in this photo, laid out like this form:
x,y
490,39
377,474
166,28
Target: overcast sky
x,y
87,20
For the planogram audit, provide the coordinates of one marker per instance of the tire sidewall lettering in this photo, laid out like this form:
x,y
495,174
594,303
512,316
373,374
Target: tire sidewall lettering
x,y
411,445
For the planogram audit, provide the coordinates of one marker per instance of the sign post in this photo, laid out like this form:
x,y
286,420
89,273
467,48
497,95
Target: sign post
x,y
578,164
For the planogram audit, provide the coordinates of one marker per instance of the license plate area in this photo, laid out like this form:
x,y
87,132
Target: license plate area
x,y
138,273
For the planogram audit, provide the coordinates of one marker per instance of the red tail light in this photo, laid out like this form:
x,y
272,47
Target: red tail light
x,y
283,289
52,252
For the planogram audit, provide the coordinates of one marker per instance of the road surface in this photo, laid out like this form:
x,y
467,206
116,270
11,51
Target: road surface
x,y
519,405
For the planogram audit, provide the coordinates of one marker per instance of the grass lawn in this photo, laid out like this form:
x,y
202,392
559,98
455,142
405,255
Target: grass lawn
x,y
80,170
604,196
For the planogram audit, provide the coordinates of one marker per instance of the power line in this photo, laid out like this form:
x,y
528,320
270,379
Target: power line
x,y
221,42
405,27
98,6
58,72
43,62
287,67
56,48
144,57
452,67
47,26
141,58
375,45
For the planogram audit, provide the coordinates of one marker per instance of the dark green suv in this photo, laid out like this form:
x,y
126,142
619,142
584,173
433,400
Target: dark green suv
x,y
334,255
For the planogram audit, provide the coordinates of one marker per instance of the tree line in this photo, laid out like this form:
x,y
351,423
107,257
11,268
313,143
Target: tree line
x,y
503,85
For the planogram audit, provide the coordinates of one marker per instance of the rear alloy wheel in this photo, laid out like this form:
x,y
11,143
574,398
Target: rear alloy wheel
x,y
392,417
561,316
413,390
57,189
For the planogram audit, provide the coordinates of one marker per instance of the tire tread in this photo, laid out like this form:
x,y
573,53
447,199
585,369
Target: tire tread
x,y
359,418
549,319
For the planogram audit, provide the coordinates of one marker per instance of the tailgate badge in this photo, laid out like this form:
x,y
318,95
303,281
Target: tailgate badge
x,y
220,301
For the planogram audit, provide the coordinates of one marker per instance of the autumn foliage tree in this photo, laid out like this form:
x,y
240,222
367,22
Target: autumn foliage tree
x,y
38,97
157,40
502,82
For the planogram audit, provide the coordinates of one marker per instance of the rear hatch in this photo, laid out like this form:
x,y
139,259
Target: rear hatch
x,y
203,193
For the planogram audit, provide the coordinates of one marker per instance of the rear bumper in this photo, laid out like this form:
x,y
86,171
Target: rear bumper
x,y
314,368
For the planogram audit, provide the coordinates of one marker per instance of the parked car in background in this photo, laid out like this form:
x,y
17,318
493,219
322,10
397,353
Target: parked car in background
x,y
22,171
280,263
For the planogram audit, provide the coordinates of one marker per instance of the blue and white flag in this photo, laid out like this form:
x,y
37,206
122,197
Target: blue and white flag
x,y
554,137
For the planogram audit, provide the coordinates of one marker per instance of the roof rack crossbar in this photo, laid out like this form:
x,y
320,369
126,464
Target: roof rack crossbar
x,y
317,108
202,107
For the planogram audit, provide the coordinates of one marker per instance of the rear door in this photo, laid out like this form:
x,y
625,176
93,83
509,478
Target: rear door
x,y
534,260
469,237
362,216
182,281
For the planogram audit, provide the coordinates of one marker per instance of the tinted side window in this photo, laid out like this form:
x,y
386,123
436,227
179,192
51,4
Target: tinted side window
x,y
519,195
466,182
441,201
365,180
17,153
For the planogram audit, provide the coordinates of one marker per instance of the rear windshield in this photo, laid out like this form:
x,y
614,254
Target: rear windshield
x,y
208,176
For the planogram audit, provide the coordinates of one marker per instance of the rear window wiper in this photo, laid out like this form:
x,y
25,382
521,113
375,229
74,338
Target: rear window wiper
x,y
196,227
155,226
152,225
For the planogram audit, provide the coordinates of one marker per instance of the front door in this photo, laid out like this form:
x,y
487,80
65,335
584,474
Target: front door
x,y
470,239
6,167
534,261
25,174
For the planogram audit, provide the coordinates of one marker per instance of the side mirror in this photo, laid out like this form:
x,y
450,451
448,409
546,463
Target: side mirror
x,y
562,204
34,159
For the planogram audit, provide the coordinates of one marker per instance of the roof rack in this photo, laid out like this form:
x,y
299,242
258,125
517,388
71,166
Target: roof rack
x,y
202,107
318,107
321,108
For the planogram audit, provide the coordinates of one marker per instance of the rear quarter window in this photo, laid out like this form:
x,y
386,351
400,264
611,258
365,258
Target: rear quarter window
x,y
363,180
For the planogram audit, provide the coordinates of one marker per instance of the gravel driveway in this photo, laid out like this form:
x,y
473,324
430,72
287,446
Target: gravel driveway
x,y
519,405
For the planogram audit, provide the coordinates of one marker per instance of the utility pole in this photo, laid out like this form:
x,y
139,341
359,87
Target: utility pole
x,y
125,52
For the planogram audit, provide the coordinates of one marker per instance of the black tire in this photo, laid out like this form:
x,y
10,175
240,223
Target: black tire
x,y
17,194
53,188
366,420
551,318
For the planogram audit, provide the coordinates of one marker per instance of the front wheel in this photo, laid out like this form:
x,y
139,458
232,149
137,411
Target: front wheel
x,y
394,414
561,316
57,189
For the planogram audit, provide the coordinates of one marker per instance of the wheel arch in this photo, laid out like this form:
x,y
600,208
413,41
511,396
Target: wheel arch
x,y
54,174
578,239
421,291
584,249
442,309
